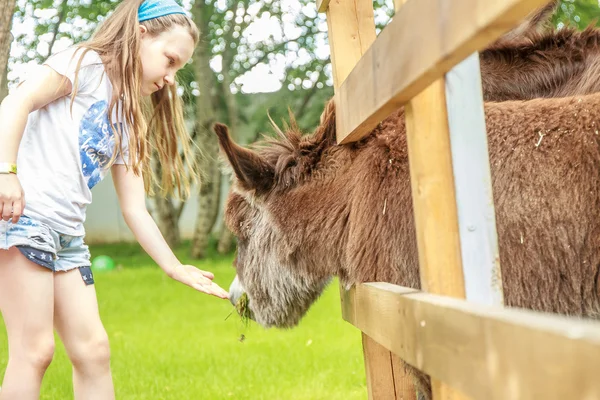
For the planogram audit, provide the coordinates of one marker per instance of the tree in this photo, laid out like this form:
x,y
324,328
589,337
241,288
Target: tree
x,y
7,7
231,48
207,142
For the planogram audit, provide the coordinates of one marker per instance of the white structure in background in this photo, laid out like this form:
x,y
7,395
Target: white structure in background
x,y
105,223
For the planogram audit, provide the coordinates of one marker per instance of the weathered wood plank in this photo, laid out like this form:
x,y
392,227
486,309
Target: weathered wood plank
x,y
425,40
486,352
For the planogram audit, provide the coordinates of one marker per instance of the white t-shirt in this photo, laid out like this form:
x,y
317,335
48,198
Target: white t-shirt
x,y
63,155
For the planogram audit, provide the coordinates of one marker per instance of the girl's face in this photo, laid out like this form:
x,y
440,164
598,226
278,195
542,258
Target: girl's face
x,y
162,56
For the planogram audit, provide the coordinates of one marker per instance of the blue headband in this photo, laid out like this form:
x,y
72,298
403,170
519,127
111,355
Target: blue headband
x,y
151,9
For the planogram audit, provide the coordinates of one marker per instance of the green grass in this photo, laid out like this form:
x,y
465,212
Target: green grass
x,y
170,342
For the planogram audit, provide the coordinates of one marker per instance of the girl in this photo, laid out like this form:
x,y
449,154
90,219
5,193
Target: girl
x,y
79,114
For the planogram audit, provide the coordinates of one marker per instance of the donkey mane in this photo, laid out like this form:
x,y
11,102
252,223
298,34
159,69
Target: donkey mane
x,y
294,155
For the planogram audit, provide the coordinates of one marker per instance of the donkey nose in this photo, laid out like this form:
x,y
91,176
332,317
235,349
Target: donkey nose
x,y
235,291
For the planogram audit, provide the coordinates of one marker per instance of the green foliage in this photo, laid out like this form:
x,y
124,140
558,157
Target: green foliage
x,y
577,13
259,108
57,19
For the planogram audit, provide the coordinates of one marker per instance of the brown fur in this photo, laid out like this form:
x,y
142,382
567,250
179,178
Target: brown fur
x,y
534,60
347,211
553,64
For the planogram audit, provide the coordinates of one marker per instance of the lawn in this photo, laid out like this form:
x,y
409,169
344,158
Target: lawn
x,y
169,342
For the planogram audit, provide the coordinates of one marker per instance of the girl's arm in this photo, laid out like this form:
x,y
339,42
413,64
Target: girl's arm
x,y
42,87
131,194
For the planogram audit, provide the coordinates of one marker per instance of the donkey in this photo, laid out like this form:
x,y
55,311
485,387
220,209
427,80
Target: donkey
x,y
535,64
305,210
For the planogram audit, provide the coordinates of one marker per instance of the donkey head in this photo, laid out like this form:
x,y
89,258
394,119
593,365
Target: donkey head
x,y
282,262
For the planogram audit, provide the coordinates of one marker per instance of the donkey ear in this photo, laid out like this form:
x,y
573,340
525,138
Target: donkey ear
x,y
253,172
537,22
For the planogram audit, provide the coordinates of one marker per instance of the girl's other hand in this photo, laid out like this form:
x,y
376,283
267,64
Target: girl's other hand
x,y
12,198
198,279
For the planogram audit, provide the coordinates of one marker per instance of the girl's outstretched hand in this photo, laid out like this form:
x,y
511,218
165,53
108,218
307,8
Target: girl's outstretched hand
x,y
198,279
12,199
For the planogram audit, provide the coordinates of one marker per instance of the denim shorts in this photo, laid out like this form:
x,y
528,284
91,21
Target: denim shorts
x,y
46,247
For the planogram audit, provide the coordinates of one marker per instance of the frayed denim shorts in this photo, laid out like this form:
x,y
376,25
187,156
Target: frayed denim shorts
x,y
46,247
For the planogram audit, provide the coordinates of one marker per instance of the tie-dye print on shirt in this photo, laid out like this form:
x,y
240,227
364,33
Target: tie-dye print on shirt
x,y
96,142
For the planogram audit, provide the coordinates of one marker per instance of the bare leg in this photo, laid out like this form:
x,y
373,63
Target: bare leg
x,y
77,321
26,303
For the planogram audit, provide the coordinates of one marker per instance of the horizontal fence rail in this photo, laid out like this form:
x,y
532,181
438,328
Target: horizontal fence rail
x,y
489,353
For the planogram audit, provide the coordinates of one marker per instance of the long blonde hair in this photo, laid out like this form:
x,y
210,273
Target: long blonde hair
x,y
152,128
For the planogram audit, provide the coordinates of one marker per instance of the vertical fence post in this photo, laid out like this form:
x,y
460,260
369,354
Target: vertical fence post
x,y
473,184
451,185
436,219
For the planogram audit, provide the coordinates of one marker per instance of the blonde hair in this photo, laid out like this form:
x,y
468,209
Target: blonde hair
x,y
152,128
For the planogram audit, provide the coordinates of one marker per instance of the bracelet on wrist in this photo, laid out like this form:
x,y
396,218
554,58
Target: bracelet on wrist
x,y
8,168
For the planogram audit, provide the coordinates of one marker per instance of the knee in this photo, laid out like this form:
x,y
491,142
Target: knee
x,y
91,353
38,354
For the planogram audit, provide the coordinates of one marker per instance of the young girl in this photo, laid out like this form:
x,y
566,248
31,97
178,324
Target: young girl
x,y
79,114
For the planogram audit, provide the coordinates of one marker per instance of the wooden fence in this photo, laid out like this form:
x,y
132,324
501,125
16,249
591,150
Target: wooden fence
x,y
456,330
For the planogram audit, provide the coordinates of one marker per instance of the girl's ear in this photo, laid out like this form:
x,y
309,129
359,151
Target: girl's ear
x,y
143,29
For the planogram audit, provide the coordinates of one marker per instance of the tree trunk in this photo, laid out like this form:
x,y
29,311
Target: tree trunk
x,y
168,220
208,208
166,213
226,237
7,8
4,85
62,14
208,201
226,241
